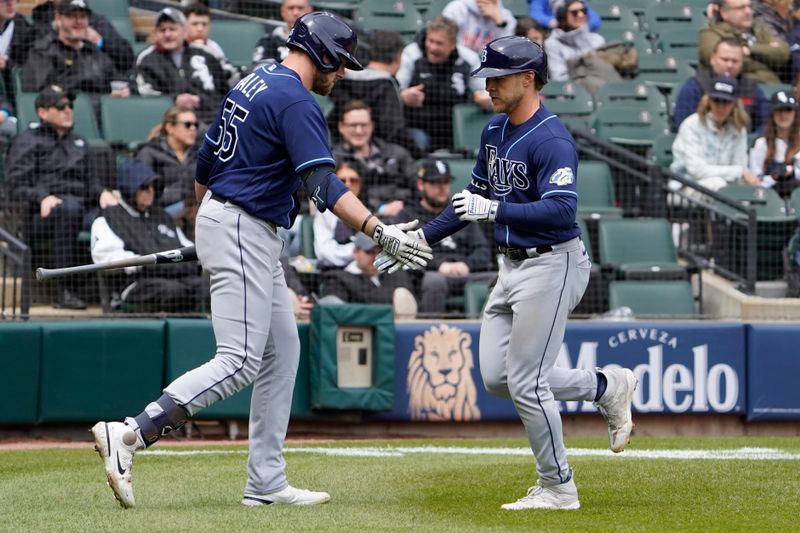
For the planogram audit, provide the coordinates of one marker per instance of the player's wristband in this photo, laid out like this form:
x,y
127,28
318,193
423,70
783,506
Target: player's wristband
x,y
364,224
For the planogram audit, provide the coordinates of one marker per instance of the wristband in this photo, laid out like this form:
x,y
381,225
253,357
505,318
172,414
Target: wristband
x,y
364,224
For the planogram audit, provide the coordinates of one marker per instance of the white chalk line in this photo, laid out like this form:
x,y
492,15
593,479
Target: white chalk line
x,y
735,454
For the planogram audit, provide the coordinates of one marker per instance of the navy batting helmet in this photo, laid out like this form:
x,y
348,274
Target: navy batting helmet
x,y
327,40
509,55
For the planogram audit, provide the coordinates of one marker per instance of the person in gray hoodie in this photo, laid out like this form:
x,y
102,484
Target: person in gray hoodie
x,y
572,39
480,21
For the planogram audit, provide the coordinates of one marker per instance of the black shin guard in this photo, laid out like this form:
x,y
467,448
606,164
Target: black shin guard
x,y
172,417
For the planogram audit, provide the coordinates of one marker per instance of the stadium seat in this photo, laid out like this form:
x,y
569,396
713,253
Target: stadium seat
x,y
672,298
307,237
661,151
635,94
771,88
238,39
617,19
794,203
462,173
596,198
398,15
85,123
664,17
594,298
663,71
324,102
129,120
123,26
637,6
640,248
628,126
518,7
468,123
681,43
475,294
568,99
111,8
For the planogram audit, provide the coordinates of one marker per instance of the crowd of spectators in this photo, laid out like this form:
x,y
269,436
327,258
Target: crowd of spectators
x,y
386,124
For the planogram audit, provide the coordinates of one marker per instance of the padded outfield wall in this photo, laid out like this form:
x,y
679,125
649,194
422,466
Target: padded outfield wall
x,y
80,371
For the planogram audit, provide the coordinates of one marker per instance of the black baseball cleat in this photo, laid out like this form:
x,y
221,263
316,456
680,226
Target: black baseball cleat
x,y
68,300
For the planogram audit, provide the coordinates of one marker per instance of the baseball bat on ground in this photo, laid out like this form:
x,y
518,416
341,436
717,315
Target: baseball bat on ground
x,y
178,255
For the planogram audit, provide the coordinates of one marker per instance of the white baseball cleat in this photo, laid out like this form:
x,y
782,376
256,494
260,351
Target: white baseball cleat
x,y
289,495
615,406
555,497
116,443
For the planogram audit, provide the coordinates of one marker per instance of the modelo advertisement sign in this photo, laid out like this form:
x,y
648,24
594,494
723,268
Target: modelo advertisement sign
x,y
682,368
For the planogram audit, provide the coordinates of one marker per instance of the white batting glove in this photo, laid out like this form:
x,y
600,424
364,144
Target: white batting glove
x,y
474,207
389,264
404,247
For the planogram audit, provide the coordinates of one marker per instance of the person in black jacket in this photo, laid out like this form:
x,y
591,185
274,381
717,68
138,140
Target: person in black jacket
x,y
272,46
171,152
138,226
190,75
16,38
461,257
66,57
100,33
48,170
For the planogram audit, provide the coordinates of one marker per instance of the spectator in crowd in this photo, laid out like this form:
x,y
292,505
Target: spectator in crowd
x,y
765,54
726,59
16,38
461,257
67,58
139,226
570,40
776,15
377,87
527,27
480,21
171,151
385,167
711,145
434,76
303,300
272,47
361,283
543,12
333,239
100,33
8,122
198,26
190,75
48,171
775,157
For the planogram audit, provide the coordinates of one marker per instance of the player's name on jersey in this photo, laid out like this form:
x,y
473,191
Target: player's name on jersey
x,y
250,86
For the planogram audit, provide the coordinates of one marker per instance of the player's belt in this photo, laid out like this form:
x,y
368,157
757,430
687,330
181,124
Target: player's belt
x,y
520,254
221,199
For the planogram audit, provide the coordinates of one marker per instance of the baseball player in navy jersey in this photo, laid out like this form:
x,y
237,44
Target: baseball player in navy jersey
x,y
268,139
524,182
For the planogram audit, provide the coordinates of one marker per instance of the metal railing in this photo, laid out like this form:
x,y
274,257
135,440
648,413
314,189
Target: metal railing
x,y
15,283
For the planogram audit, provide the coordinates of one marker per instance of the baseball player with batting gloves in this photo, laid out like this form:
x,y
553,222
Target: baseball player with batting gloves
x,y
524,182
268,139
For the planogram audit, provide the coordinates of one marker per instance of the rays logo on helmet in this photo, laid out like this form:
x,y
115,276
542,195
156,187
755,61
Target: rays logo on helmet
x,y
483,55
562,176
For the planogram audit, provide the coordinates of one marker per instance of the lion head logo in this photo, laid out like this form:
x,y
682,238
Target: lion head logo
x,y
440,385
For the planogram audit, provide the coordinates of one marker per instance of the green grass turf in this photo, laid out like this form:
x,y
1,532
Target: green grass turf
x,y
65,490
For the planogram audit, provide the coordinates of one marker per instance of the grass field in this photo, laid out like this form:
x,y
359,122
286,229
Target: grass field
x,y
400,485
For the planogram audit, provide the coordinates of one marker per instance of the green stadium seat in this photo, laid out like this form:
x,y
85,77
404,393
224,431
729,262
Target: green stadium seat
x,y
771,88
475,294
594,298
111,8
617,19
129,120
518,7
468,123
596,198
462,173
631,93
238,39
124,27
398,15
629,126
568,99
663,71
661,151
664,17
680,42
640,248
794,203
324,102
637,6
673,298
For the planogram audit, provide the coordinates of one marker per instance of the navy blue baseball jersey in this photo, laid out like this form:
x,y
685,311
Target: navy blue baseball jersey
x,y
522,164
269,129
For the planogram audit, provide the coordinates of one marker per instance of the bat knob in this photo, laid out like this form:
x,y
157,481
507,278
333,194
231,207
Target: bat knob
x,y
40,273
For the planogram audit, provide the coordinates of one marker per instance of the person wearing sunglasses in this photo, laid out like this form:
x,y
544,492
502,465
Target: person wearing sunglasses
x,y
48,171
171,152
570,40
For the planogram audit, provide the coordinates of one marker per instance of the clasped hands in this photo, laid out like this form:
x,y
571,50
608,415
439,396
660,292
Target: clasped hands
x,y
403,247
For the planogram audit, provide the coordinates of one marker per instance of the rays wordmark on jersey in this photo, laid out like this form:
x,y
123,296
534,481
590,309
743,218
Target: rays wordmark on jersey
x,y
506,174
